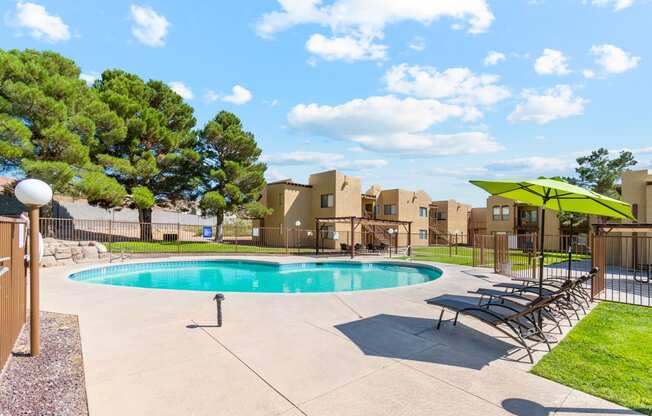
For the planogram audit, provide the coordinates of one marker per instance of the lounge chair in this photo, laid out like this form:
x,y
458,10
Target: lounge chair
x,y
554,312
520,325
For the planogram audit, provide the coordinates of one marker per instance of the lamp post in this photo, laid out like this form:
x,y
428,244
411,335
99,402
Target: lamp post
x,y
297,224
391,234
34,193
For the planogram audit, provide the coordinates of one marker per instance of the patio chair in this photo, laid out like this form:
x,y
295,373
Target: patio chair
x,y
554,312
344,247
519,325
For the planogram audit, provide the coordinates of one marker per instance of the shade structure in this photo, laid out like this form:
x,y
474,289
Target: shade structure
x,y
560,196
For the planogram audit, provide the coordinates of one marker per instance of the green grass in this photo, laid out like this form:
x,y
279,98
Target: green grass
x,y
192,247
464,256
608,354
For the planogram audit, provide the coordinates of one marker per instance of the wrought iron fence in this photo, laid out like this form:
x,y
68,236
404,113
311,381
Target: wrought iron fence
x,y
625,263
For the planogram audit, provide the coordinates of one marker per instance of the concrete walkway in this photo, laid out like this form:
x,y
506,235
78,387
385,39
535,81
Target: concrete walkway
x,y
158,352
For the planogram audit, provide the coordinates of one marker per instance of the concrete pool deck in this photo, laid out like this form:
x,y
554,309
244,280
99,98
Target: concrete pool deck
x,y
158,352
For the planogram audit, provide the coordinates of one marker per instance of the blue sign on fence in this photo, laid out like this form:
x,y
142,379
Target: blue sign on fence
x,y
208,232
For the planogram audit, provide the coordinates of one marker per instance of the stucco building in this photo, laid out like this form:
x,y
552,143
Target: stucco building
x,y
333,194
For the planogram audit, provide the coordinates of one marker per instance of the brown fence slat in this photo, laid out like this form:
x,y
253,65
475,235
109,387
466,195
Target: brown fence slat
x,y
12,287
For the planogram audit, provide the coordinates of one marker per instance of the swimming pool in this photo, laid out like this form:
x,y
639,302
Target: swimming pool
x,y
264,277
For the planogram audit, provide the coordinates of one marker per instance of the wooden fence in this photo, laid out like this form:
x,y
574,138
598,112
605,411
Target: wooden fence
x,y
12,284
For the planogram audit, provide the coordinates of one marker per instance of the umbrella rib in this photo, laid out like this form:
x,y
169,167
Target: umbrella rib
x,y
558,201
520,187
611,208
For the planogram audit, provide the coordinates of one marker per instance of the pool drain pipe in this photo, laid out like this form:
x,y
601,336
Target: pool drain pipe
x,y
219,298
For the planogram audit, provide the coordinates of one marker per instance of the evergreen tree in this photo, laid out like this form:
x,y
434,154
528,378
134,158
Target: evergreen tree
x,y
233,176
50,122
156,160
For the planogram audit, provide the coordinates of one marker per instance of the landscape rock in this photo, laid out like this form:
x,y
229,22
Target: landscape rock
x,y
62,253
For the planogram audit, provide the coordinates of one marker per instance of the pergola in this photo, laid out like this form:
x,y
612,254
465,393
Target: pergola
x,y
355,222
622,228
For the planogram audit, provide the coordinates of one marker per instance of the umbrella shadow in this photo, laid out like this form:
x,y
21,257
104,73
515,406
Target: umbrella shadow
x,y
523,407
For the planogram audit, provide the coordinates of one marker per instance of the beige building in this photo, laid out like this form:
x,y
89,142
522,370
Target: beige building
x,y
636,188
333,194
449,219
477,223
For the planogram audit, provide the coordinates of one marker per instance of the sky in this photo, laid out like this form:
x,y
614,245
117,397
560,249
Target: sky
x,y
414,94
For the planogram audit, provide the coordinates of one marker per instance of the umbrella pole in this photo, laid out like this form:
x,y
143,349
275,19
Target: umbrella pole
x,y
542,233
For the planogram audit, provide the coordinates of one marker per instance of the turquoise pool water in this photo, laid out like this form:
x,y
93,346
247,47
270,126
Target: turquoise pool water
x,y
251,276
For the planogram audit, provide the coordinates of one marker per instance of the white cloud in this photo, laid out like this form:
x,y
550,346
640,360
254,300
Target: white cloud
x,y
356,24
346,48
274,102
150,28
555,103
617,4
89,77
239,95
211,96
370,18
182,89
391,124
39,23
588,74
493,58
614,60
459,85
536,164
551,62
272,174
417,44
323,160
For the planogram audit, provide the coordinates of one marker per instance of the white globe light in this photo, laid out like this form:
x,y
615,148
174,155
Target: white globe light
x,y
33,192
298,223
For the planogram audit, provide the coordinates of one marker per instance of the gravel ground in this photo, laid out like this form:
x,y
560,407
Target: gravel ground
x,y
52,383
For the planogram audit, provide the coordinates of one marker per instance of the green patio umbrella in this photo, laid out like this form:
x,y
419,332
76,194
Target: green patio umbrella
x,y
558,195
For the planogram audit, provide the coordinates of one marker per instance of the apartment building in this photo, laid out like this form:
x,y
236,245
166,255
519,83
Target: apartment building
x,y
449,218
403,205
334,194
477,223
510,217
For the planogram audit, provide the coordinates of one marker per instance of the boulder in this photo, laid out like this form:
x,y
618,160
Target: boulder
x,y
63,253
90,252
77,253
85,243
101,248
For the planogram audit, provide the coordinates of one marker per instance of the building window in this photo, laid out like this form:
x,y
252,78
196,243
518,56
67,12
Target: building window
x,y
423,234
504,211
389,209
495,213
500,213
327,201
423,212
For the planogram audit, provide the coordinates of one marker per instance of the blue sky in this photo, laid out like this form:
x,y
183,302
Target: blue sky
x,y
414,94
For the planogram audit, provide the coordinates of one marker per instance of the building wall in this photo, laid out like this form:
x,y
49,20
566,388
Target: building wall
x,y
636,189
407,209
457,217
510,224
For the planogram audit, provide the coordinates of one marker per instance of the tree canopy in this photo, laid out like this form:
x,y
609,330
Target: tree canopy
x,y
122,141
233,176
51,122
598,172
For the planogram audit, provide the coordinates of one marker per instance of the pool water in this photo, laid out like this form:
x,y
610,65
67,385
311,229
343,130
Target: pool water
x,y
253,276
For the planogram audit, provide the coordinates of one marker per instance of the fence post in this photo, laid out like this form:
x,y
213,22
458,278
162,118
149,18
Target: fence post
x,y
456,244
110,236
496,270
450,246
236,235
287,246
178,235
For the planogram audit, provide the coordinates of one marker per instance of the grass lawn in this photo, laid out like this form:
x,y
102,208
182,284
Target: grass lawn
x,y
608,354
192,247
464,256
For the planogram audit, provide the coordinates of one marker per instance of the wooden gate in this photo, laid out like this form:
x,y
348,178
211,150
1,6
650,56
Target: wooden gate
x,y
12,284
